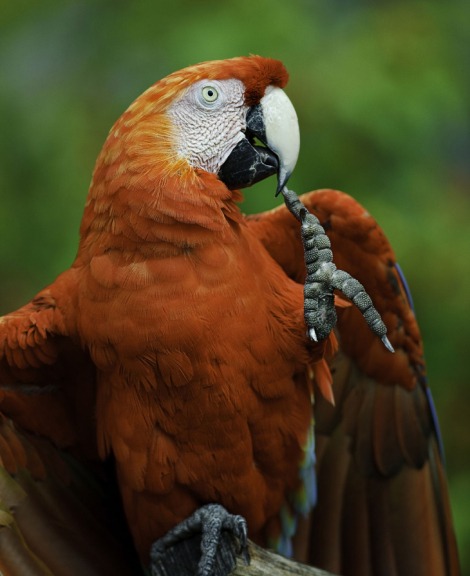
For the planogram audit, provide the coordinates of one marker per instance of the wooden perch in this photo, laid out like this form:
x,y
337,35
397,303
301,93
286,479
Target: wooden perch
x,y
182,559
266,563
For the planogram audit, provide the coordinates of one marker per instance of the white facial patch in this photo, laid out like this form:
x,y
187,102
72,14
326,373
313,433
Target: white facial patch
x,y
210,118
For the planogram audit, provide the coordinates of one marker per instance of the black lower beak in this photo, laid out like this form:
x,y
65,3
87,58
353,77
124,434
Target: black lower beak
x,y
249,163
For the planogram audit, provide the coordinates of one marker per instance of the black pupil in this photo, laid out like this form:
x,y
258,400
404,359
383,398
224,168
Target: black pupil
x,y
210,93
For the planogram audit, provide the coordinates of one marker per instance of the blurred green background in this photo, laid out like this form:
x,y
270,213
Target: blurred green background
x,y
382,91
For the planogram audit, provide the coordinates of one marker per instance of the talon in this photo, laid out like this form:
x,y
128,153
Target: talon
x,y
387,344
312,334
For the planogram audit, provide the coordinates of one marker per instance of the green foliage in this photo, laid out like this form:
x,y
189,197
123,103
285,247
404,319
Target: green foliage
x,y
382,92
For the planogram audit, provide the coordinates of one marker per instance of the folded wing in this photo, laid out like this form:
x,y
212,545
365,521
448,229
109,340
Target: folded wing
x,y
383,505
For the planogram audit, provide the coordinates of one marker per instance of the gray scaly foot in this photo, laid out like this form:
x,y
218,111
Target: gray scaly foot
x,y
323,278
207,544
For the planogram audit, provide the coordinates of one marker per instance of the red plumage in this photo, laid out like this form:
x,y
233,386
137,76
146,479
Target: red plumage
x,y
180,326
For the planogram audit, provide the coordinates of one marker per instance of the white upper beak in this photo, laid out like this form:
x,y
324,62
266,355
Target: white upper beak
x,y
282,131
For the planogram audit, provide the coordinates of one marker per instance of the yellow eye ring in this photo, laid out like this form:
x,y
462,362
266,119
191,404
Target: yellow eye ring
x,y
210,94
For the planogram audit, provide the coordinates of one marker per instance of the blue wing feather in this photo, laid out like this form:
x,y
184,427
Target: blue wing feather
x,y
432,406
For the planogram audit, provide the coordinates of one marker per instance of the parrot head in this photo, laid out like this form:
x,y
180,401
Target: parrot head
x,y
237,122
229,118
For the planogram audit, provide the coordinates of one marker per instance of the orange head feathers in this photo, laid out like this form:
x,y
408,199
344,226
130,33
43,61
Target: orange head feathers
x,y
182,147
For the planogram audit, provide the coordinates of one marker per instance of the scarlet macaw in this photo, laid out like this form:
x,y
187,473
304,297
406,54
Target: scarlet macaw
x,y
180,328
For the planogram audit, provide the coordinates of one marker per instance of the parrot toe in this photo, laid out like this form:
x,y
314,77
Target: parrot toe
x,y
207,544
323,278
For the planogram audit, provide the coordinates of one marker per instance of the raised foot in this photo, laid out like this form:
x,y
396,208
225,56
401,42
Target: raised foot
x,y
323,278
207,544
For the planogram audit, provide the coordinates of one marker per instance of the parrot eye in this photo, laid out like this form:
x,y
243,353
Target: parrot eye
x,y
210,94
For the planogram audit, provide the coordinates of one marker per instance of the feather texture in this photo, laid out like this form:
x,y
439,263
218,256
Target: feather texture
x,y
54,515
175,347
383,505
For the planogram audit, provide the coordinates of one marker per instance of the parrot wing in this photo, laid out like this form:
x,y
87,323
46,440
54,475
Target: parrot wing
x,y
46,380
55,498
383,505
56,515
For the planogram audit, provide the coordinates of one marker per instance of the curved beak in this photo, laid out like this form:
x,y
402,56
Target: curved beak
x,y
273,122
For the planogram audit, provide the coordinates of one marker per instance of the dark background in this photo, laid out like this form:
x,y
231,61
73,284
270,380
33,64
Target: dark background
x,y
382,90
